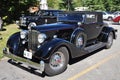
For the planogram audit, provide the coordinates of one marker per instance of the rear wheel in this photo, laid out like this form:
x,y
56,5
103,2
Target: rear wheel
x,y
58,62
109,41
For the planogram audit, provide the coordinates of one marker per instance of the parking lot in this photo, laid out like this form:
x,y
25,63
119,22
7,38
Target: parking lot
x,y
103,64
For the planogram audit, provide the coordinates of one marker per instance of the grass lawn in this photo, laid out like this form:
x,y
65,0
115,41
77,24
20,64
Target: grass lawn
x,y
8,30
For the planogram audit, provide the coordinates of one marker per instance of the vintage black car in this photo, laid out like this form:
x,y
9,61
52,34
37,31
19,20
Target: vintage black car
x,y
38,18
50,47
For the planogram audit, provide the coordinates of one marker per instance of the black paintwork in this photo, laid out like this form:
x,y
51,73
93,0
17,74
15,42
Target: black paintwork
x,y
65,30
40,17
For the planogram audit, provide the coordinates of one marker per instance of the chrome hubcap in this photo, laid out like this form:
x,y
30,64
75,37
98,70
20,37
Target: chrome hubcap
x,y
80,42
110,39
57,60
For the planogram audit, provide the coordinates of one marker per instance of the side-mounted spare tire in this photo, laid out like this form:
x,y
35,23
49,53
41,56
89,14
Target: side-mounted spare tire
x,y
58,62
80,40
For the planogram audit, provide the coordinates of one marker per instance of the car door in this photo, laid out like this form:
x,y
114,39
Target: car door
x,y
91,26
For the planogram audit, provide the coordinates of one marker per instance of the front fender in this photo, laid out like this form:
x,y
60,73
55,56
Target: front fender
x,y
13,42
49,47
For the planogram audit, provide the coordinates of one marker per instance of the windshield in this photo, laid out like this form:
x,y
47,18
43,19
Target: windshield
x,y
70,17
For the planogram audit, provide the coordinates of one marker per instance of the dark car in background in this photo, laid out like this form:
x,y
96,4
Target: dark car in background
x,y
38,18
50,48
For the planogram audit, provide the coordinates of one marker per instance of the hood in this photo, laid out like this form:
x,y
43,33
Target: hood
x,y
54,26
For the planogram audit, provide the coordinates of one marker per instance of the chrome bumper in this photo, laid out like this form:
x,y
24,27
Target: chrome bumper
x,y
39,66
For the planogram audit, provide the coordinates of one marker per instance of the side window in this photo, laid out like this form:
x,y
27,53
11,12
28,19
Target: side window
x,y
91,18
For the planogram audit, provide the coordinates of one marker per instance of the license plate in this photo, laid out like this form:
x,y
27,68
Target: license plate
x,y
27,54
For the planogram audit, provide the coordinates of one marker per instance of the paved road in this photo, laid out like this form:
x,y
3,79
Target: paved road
x,y
101,65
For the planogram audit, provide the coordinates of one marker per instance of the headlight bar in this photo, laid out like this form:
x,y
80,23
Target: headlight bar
x,y
23,34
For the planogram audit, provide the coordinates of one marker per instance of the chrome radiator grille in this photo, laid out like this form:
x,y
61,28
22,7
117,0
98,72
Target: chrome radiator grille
x,y
33,40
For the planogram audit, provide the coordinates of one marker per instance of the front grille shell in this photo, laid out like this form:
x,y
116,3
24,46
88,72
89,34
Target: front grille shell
x,y
33,40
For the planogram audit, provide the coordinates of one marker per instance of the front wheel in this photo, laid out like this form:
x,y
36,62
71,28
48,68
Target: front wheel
x,y
109,41
58,62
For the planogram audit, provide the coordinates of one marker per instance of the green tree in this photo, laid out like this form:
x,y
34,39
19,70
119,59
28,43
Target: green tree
x,y
94,4
77,3
54,4
116,5
108,5
12,9
67,5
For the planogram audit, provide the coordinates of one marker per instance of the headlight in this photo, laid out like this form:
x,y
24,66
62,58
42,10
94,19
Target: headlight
x,y
41,37
23,34
32,24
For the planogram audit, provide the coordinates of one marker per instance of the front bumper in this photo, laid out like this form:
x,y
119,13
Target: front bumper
x,y
39,66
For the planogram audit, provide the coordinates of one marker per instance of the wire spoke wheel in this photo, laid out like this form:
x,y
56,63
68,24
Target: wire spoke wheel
x,y
80,41
57,61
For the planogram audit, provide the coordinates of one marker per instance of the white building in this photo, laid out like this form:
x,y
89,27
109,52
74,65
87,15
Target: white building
x,y
43,4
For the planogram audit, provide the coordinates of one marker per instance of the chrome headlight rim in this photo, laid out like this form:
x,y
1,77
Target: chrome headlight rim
x,y
23,34
41,37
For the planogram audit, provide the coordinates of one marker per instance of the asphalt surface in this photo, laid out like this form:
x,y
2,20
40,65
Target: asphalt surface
x,y
103,64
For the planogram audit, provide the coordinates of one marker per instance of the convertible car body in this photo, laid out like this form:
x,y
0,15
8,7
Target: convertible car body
x,y
50,47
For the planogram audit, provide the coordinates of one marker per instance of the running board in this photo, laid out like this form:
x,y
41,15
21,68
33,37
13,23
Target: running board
x,y
94,47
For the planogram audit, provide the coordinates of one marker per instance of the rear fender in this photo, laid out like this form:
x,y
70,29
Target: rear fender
x,y
105,32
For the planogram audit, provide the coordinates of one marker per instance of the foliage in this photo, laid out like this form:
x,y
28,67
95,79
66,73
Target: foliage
x,y
106,5
12,9
54,4
5,34
77,3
